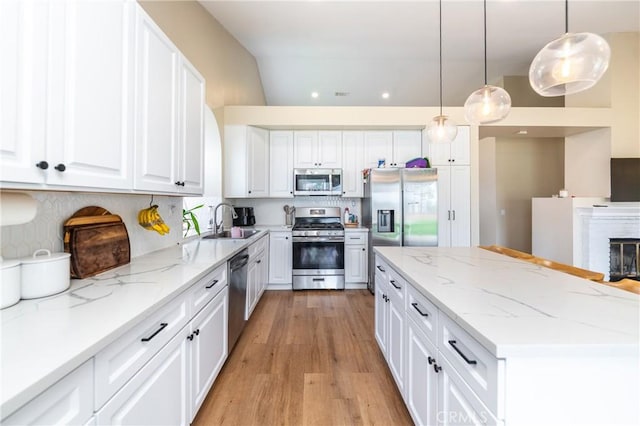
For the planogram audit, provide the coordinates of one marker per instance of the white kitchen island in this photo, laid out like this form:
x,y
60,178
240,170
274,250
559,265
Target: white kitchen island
x,y
471,335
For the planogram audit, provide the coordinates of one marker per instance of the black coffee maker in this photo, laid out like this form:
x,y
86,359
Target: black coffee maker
x,y
245,216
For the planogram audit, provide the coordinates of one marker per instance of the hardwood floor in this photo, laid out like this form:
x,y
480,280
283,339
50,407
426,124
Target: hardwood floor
x,y
306,358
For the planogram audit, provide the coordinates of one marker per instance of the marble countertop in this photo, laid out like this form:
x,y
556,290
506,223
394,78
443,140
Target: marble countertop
x,y
44,339
516,308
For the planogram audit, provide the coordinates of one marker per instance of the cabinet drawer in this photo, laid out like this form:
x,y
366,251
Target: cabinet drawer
x,y
424,313
382,269
207,288
478,368
355,238
397,286
119,361
69,401
258,246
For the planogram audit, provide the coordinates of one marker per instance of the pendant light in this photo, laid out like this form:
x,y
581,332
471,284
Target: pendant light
x,y
441,128
489,103
569,64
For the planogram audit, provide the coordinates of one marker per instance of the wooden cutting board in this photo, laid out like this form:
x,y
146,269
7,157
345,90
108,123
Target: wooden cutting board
x,y
97,241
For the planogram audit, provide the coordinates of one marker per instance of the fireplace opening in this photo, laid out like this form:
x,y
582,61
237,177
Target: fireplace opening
x,y
624,255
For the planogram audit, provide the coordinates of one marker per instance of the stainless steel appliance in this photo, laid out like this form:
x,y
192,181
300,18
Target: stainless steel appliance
x,y
317,182
237,274
400,208
318,249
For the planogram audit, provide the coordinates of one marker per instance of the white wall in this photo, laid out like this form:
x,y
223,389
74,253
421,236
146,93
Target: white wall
x,y
487,190
587,161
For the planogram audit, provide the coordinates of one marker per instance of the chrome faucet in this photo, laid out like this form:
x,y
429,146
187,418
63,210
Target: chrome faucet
x,y
215,218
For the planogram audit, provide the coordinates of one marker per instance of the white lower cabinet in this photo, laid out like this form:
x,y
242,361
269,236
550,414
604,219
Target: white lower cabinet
x,y
280,257
257,273
421,389
356,257
208,349
158,394
69,401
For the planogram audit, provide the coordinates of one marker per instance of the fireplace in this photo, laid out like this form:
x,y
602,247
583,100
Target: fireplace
x,y
624,259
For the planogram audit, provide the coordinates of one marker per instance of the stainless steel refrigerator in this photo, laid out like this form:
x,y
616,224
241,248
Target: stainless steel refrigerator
x,y
400,208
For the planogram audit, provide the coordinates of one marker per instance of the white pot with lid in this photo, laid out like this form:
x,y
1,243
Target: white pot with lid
x,y
9,282
44,274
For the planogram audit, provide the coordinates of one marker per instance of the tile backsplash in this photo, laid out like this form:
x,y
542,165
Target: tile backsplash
x,y
54,208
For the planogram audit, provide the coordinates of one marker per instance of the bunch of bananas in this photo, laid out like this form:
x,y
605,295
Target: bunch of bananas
x,y
151,220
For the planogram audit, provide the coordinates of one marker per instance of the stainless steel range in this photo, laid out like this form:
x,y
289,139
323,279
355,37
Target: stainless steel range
x,y
318,249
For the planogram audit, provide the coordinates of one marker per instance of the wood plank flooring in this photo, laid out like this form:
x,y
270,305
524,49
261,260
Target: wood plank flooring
x,y
306,358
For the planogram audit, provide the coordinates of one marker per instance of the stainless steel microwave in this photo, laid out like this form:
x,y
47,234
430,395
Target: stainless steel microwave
x,y
317,181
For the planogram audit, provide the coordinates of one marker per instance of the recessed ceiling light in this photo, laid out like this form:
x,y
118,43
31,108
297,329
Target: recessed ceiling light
x,y
385,95
522,132
339,94
314,94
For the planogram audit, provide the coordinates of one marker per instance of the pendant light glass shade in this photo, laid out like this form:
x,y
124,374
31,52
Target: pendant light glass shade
x,y
442,129
569,64
487,105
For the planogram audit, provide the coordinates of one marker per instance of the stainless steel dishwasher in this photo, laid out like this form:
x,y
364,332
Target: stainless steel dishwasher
x,y
237,295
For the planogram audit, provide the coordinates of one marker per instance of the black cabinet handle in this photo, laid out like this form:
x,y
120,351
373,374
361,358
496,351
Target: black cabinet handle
x,y
286,238
249,192
180,183
415,306
42,165
468,361
393,283
364,249
454,214
197,332
162,327
437,368
258,261
431,360
60,167
212,284
190,337
380,268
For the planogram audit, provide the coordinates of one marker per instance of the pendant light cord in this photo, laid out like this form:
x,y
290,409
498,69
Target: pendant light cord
x,y
485,42
440,34
566,16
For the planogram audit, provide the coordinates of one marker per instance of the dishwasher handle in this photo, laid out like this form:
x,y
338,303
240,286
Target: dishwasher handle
x,y
238,262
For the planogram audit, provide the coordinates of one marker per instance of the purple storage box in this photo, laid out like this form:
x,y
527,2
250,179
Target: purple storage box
x,y
420,163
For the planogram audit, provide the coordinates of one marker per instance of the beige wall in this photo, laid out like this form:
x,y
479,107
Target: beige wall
x,y
525,168
230,70
587,164
487,190
522,95
619,89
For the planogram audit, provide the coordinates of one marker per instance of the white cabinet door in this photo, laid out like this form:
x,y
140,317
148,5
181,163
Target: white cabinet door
x,y
381,314
263,274
258,162
305,149
156,107
454,153
90,118
396,347
208,347
281,164
421,381
24,36
69,401
378,145
158,394
191,125
407,145
353,163
252,287
460,206
444,206
280,257
355,263
329,152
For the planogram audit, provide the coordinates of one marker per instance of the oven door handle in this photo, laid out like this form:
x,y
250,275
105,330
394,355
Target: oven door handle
x,y
318,239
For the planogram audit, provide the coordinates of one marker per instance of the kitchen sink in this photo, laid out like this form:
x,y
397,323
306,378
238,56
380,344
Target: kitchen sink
x,y
226,235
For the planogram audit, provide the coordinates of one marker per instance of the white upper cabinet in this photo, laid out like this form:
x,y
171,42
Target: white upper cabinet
x,y
407,145
246,162
281,157
67,121
353,163
318,149
170,115
378,145
456,153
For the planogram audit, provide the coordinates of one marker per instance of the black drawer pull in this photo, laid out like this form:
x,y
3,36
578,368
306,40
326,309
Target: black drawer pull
x,y
393,283
437,368
162,327
415,306
431,360
380,268
469,361
212,284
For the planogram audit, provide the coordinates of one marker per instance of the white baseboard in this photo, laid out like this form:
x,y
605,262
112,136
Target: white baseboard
x,y
278,287
355,286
